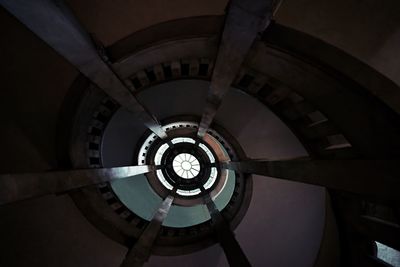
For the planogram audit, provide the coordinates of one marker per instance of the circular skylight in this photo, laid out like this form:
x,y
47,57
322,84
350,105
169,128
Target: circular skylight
x,y
186,166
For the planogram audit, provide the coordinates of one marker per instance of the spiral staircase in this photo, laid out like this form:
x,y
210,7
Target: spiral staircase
x,y
222,132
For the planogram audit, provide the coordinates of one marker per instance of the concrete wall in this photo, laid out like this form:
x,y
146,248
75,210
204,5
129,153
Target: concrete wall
x,y
367,29
33,74
111,21
34,81
51,231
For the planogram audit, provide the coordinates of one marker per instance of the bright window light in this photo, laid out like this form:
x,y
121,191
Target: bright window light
x,y
186,166
162,179
183,140
208,152
388,254
160,152
211,180
188,192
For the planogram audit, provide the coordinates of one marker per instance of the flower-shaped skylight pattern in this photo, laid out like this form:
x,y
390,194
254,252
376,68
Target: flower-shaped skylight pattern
x,y
186,165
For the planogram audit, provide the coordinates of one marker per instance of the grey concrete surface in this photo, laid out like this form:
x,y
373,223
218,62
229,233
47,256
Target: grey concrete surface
x,y
367,29
51,231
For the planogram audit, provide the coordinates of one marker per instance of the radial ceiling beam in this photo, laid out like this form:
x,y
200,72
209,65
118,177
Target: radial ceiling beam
x,y
378,179
16,187
55,24
233,252
139,254
380,230
244,20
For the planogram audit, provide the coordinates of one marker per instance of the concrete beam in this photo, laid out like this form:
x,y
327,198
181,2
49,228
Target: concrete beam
x,y
378,179
244,20
16,187
139,254
380,230
233,252
53,22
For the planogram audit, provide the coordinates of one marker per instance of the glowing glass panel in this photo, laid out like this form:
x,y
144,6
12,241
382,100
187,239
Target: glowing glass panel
x,y
183,140
208,152
162,179
186,166
160,152
211,180
188,192
388,254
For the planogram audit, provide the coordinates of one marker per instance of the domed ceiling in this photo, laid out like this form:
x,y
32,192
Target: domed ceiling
x,y
208,140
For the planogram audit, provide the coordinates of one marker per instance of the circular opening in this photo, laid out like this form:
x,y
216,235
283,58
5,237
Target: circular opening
x,y
186,165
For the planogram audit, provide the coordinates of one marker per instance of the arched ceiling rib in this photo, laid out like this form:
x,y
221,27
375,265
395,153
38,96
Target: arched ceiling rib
x,y
383,145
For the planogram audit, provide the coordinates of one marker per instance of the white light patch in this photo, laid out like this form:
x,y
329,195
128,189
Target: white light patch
x,y
388,254
160,152
188,192
183,140
208,152
186,166
212,179
162,179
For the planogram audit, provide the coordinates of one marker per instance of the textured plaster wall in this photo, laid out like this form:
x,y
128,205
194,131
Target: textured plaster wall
x,y
367,29
50,231
34,81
